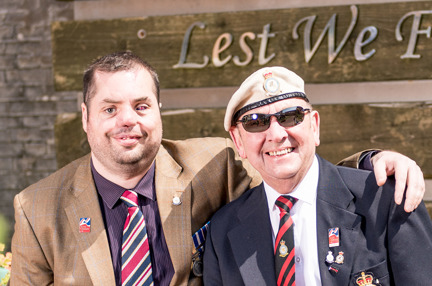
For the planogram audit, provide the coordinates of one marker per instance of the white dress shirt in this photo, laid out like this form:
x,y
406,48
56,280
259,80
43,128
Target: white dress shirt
x,y
303,215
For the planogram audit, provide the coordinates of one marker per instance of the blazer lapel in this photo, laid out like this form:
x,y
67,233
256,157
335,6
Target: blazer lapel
x,y
176,219
252,246
335,210
94,244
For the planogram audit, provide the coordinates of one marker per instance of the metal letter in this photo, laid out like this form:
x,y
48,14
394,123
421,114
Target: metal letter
x,y
373,33
246,49
217,49
330,29
184,50
262,60
414,32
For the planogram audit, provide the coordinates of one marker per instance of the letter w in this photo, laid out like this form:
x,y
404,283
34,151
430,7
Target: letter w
x,y
330,28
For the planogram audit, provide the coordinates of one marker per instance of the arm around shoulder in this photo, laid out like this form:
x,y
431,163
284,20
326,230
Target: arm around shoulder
x,y
354,160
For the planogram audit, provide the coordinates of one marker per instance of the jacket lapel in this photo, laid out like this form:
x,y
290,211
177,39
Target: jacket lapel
x,y
253,249
176,219
335,208
94,244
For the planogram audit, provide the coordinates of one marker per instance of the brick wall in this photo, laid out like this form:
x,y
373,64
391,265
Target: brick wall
x,y
28,102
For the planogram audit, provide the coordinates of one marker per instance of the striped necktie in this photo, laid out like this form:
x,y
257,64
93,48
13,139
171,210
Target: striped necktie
x,y
284,244
136,261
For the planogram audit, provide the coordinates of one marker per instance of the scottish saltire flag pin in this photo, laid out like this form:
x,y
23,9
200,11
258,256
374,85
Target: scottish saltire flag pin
x,y
84,224
333,234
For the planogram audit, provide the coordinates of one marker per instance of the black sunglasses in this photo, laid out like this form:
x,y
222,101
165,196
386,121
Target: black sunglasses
x,y
257,122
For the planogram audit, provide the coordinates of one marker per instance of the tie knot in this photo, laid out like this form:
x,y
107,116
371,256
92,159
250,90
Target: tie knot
x,y
285,203
130,198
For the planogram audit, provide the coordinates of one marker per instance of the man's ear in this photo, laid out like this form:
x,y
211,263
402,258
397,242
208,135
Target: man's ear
x,y
84,116
236,137
315,123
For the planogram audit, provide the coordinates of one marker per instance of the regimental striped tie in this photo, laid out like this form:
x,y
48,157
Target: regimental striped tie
x,y
284,244
136,261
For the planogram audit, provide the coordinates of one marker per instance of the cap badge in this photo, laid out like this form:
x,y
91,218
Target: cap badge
x,y
271,84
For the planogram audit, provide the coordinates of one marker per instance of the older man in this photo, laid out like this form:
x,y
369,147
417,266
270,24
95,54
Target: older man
x,y
309,222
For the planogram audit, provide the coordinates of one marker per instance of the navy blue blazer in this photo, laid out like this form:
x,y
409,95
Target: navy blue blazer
x,y
377,236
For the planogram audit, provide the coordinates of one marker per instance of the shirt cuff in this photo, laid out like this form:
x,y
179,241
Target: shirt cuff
x,y
365,162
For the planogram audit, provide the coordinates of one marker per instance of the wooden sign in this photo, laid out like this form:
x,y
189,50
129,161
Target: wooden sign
x,y
373,42
345,129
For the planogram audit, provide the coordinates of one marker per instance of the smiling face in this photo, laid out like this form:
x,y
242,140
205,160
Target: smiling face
x,y
282,155
123,122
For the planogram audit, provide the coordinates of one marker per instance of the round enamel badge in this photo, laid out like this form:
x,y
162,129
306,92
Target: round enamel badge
x,y
176,201
271,84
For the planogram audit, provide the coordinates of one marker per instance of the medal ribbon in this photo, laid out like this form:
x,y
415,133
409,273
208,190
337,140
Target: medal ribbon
x,y
199,238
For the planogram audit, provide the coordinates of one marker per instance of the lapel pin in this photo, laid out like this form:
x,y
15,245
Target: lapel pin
x,y
340,258
330,257
176,201
333,234
333,269
84,224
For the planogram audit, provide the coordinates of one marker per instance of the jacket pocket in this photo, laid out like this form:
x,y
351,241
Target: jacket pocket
x,y
377,274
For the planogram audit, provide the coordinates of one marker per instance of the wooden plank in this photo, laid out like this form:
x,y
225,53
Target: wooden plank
x,y
405,128
345,129
77,43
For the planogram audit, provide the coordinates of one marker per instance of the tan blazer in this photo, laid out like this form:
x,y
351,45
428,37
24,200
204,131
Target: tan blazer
x,y
49,249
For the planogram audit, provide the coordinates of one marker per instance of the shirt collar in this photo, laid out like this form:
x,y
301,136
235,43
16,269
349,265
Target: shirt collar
x,y
111,192
305,191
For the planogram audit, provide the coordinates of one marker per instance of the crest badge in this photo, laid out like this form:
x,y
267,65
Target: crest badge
x,y
366,279
271,84
330,257
283,249
340,258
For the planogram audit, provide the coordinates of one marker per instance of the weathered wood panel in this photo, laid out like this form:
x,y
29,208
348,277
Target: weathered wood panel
x,y
406,128
345,129
70,138
77,43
